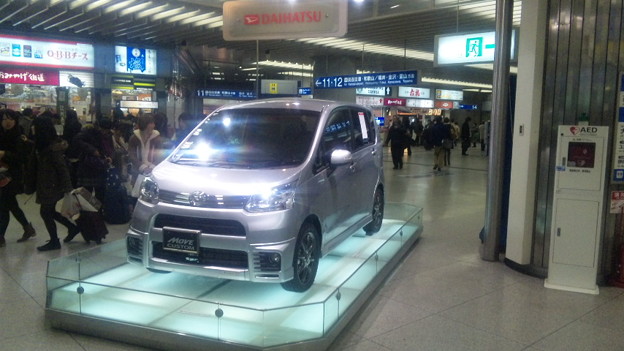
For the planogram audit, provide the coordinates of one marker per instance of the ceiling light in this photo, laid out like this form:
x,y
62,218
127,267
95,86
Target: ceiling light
x,y
129,10
152,11
288,65
455,82
394,6
167,13
298,74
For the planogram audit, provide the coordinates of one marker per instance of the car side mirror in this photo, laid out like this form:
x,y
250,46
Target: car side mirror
x,y
341,157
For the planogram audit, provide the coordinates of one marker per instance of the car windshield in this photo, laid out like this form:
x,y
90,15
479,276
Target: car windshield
x,y
250,138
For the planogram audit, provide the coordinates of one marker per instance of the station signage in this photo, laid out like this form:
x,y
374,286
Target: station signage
x,y
394,102
414,92
130,59
366,80
279,87
369,101
468,48
419,103
449,94
468,107
305,91
18,50
279,19
225,94
378,91
28,76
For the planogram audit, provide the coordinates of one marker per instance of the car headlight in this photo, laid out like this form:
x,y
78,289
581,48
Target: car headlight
x,y
275,199
149,190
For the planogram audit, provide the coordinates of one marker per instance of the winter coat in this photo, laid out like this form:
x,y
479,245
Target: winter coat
x,y
52,173
397,136
144,155
91,169
439,132
15,153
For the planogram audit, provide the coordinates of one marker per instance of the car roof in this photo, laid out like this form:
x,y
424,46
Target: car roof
x,y
290,103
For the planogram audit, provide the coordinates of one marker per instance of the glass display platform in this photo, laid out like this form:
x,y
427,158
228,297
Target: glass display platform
x,y
96,292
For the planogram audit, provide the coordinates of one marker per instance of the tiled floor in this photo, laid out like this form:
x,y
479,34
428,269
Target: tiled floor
x,y
442,296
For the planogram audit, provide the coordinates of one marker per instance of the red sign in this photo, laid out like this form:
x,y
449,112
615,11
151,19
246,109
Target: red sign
x,y
28,76
443,104
394,102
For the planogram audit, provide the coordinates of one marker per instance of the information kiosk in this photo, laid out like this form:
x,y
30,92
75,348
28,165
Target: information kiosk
x,y
577,208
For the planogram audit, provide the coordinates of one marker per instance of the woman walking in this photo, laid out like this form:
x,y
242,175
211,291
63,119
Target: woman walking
x,y
12,154
52,180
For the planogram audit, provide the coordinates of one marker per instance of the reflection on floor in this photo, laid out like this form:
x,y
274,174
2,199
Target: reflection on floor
x,y
442,296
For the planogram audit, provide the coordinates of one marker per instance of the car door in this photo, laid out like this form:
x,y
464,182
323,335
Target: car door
x,y
331,197
366,162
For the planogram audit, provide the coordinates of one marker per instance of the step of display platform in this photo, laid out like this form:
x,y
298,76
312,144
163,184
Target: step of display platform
x,y
96,292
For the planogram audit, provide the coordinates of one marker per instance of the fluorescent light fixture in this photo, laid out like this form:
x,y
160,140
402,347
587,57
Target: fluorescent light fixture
x,y
152,11
129,10
289,65
182,16
167,13
209,21
95,4
455,82
299,74
361,46
197,18
394,6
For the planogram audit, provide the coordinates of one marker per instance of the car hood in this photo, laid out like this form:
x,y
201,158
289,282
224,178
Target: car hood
x,y
222,181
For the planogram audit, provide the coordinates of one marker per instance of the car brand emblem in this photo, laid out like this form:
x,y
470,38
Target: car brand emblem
x,y
198,198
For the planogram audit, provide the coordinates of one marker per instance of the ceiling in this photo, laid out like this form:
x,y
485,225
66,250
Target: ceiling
x,y
381,34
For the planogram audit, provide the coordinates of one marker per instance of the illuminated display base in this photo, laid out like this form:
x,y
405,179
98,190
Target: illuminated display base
x,y
97,292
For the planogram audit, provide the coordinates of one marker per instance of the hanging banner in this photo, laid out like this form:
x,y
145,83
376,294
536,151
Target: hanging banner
x,y
18,50
280,19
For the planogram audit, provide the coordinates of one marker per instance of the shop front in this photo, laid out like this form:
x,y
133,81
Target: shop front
x,y
46,74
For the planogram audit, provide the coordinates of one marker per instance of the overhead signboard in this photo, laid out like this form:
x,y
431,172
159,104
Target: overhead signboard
x,y
305,91
449,94
414,92
138,104
369,100
76,79
279,87
378,91
281,19
468,107
225,94
394,102
130,59
468,48
366,80
18,50
444,104
32,76
419,103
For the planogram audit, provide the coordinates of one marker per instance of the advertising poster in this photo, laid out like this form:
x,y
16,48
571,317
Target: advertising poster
x,y
618,150
25,51
129,59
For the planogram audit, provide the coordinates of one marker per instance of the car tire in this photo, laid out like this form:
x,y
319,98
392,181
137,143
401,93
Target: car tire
x,y
378,212
306,259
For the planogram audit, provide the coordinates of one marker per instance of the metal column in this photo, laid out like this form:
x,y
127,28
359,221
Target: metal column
x,y
504,17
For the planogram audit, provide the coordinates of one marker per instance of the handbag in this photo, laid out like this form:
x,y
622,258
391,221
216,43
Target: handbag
x,y
136,189
70,207
86,200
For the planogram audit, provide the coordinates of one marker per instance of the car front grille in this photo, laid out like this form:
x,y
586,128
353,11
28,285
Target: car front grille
x,y
206,257
205,225
210,201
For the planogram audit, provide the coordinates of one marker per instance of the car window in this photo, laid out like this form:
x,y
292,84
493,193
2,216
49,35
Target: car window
x,y
337,133
363,133
251,138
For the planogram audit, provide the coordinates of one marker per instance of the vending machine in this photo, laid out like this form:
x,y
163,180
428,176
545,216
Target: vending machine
x,y
578,204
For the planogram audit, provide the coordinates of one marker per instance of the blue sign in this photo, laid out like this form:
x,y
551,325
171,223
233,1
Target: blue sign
x,y
305,91
226,94
468,107
366,80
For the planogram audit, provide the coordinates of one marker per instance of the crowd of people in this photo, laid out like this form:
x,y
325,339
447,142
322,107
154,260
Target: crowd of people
x,y
104,157
441,135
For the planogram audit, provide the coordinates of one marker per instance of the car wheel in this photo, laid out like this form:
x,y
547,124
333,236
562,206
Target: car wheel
x,y
306,259
378,213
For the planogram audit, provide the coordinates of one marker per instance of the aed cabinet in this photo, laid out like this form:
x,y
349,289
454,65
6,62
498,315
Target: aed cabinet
x,y
578,204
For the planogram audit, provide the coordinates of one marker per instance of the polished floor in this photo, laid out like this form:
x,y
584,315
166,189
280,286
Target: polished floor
x,y
441,297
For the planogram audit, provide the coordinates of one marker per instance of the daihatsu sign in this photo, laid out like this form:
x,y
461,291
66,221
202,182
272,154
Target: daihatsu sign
x,y
283,19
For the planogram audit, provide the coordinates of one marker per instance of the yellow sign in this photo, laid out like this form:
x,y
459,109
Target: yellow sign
x,y
273,88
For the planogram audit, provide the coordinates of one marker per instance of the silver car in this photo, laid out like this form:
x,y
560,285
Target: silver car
x,y
260,191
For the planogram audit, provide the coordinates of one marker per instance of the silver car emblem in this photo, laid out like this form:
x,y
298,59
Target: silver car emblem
x,y
198,198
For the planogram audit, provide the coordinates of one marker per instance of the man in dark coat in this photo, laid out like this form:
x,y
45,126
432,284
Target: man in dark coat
x,y
465,136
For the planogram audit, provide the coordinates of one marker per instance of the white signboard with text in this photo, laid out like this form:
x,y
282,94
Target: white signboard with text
x,y
19,50
419,103
414,92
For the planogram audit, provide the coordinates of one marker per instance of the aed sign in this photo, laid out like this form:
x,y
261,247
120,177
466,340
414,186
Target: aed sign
x,y
468,48
282,19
